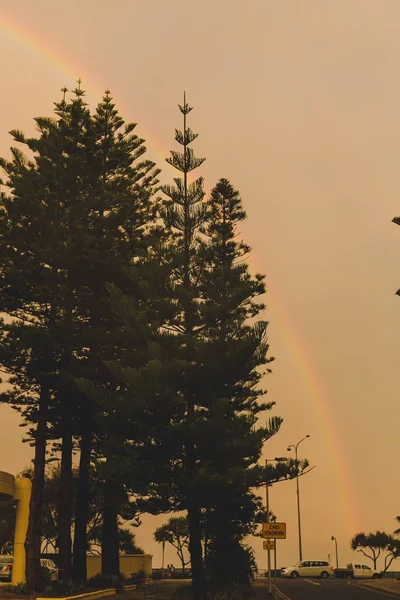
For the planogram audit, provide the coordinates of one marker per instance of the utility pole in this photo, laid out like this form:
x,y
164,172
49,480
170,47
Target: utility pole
x,y
298,513
162,563
277,459
337,556
268,551
295,447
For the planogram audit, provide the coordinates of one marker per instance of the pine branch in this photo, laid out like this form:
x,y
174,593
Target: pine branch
x,y
185,138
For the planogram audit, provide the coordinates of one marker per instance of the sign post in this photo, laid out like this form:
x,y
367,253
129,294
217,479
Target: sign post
x,y
268,551
272,532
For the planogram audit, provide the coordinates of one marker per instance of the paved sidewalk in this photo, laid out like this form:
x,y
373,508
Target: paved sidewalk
x,y
391,586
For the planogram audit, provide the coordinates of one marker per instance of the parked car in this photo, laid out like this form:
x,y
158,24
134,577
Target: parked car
x,y
6,565
357,572
308,568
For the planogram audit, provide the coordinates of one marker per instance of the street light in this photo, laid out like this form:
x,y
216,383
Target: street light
x,y
295,446
337,559
162,561
276,459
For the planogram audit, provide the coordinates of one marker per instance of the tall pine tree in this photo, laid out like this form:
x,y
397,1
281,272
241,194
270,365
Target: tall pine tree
x,y
234,359
76,217
35,290
185,215
120,231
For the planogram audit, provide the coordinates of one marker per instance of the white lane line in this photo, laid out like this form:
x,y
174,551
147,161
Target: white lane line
x,y
313,582
282,594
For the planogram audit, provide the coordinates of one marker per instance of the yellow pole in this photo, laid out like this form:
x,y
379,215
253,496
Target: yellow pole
x,y
22,494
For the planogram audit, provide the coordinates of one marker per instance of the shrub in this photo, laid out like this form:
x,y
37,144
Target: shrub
x,y
157,574
63,588
231,570
17,590
44,578
100,582
137,577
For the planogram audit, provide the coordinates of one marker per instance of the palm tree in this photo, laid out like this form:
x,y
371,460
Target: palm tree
x,y
397,532
371,545
176,533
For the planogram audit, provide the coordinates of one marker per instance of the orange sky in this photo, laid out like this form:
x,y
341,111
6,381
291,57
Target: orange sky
x,y
297,103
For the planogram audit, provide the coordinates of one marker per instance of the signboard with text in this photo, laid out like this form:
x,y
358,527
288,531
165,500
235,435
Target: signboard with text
x,y
268,544
274,531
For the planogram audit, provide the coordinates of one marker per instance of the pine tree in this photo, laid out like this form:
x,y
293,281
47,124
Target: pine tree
x,y
185,215
234,359
120,233
33,237
135,404
76,217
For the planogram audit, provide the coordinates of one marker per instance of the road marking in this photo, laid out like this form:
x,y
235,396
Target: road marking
x,y
283,595
313,582
377,589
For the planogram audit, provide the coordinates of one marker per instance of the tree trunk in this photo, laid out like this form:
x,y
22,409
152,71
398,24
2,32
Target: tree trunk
x,y
196,553
181,558
224,551
109,541
79,573
65,502
34,532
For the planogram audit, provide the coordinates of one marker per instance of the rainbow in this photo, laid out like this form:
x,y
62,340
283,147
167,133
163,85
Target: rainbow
x,y
16,33
321,407
51,55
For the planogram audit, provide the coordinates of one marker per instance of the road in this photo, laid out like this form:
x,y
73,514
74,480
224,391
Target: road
x,y
299,589
330,589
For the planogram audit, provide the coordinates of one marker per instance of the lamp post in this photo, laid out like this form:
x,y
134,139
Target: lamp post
x,y
337,558
162,561
295,447
276,459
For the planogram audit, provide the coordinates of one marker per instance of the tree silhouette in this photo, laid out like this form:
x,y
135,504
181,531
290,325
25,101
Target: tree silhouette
x,y
372,545
176,533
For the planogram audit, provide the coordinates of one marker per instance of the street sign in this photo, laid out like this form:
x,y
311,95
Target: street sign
x,y
268,544
274,531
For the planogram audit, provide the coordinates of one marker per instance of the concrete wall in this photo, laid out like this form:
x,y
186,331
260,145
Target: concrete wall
x,y
7,483
128,564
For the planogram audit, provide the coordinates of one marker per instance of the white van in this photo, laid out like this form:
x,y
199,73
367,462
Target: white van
x,y
308,568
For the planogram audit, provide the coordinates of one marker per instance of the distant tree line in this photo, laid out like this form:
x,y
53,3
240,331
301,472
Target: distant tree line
x,y
127,544
132,338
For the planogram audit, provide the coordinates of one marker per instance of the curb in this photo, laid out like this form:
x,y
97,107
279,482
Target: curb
x,y
127,588
89,595
380,589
